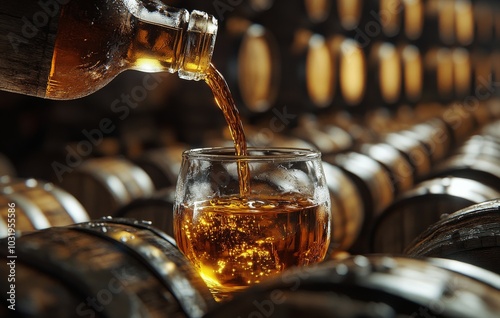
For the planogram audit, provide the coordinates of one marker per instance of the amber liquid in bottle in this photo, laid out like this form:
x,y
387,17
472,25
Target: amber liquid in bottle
x,y
97,40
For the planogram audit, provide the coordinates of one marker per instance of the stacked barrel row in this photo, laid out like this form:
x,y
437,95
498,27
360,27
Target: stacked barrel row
x,y
368,179
107,186
409,188
359,55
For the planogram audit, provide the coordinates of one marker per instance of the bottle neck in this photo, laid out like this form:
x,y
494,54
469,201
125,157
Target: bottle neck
x,y
170,39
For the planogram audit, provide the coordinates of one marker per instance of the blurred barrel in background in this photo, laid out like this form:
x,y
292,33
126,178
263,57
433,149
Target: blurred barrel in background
x,y
102,185
385,76
479,167
254,85
412,71
352,72
348,212
162,164
477,159
327,138
398,167
37,204
414,152
373,183
157,209
434,135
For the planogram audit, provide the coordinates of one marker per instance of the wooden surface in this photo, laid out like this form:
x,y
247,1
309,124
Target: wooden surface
x,y
27,37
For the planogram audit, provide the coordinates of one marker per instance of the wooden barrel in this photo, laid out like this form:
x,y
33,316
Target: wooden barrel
x,y
370,286
105,268
413,212
103,185
347,209
367,173
326,138
461,123
35,205
471,235
435,137
157,209
398,167
483,275
478,167
355,127
486,141
162,165
482,145
374,185
413,150
476,159
256,84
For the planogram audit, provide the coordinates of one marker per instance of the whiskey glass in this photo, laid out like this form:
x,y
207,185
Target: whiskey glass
x,y
237,238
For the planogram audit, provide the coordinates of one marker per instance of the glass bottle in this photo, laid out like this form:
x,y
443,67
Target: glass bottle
x,y
66,49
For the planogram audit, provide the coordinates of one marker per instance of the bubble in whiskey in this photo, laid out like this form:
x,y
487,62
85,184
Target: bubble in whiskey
x,y
234,243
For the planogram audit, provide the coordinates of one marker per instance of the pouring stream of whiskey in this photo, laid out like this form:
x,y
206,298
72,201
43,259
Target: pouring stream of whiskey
x,y
225,102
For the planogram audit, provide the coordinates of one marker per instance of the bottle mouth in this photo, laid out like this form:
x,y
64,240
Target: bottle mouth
x,y
197,29
199,43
